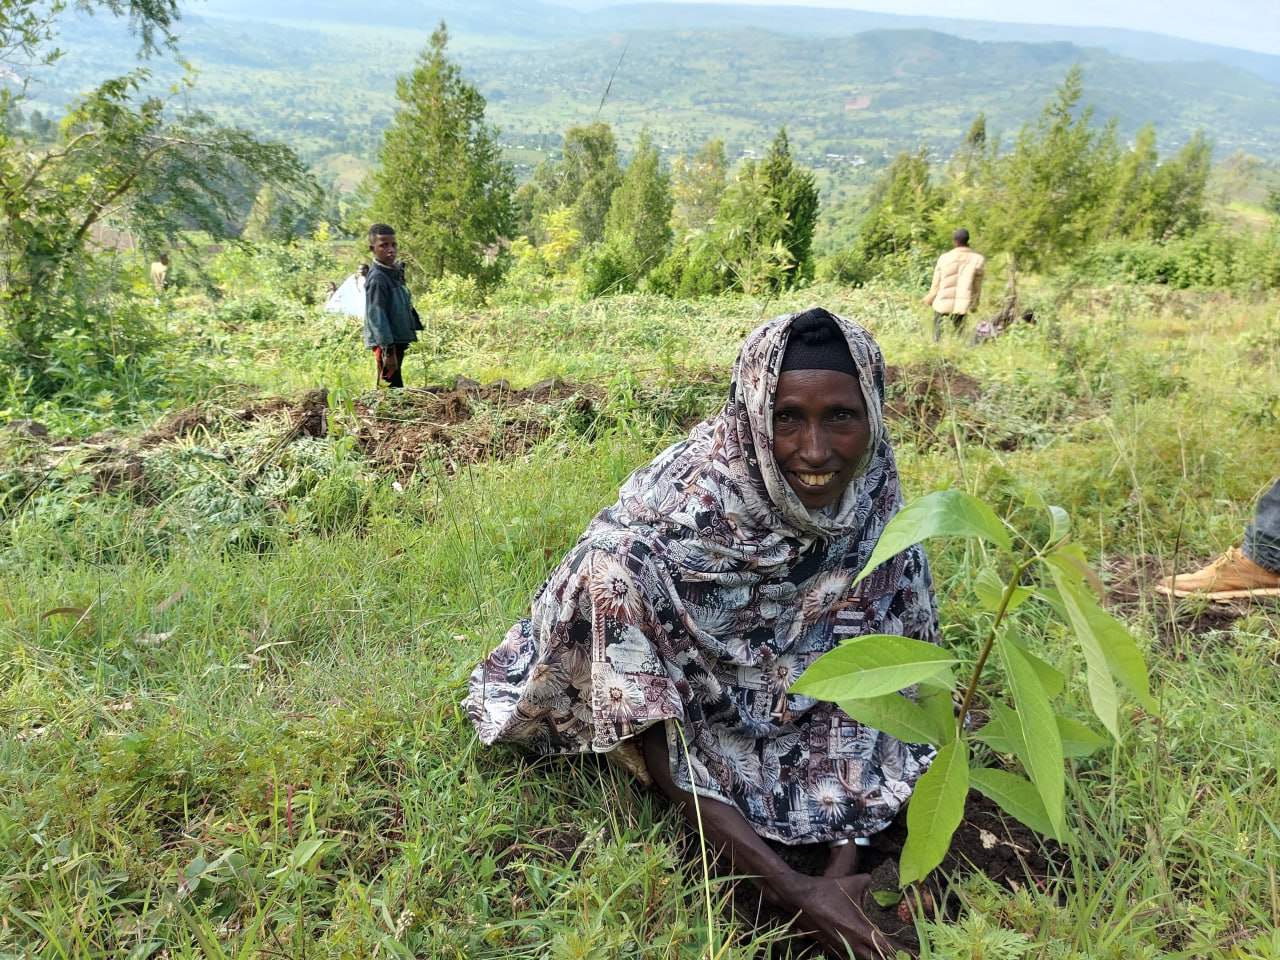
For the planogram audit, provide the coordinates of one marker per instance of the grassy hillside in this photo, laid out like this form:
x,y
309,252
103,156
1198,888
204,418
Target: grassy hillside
x,y
236,634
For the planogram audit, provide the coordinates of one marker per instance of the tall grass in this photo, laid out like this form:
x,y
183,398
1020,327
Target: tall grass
x,y
217,744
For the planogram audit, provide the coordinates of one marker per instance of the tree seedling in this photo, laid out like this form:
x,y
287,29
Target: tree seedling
x,y
867,677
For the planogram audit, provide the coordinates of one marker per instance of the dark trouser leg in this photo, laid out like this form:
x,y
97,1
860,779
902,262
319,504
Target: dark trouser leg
x,y
397,378
1262,537
957,324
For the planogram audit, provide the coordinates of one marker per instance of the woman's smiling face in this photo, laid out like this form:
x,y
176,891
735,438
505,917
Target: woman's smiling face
x,y
821,432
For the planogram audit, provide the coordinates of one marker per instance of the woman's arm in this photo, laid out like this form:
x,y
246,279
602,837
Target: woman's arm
x,y
827,908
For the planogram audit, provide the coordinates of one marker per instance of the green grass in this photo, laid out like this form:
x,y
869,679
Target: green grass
x,y
230,712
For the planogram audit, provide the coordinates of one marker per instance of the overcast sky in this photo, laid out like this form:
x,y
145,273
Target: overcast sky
x,y
1249,24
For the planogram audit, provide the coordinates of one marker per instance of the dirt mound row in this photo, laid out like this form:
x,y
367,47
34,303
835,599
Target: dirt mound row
x,y
464,424
398,431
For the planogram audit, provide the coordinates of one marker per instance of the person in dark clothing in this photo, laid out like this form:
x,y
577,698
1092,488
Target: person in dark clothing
x,y
390,323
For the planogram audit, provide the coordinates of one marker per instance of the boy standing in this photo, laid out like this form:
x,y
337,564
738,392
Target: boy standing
x,y
389,325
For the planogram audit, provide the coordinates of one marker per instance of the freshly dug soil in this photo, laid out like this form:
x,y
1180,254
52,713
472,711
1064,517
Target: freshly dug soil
x,y
438,423
398,432
919,396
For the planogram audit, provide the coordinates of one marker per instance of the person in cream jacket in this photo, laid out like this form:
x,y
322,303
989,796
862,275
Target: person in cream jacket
x,y
957,283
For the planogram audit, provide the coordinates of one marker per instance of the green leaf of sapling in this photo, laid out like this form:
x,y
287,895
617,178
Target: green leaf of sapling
x,y
1074,600
872,666
1121,651
1072,561
897,716
936,699
1053,680
1044,760
1017,797
989,589
1078,739
944,513
1002,733
1110,652
934,812
1059,523
1122,655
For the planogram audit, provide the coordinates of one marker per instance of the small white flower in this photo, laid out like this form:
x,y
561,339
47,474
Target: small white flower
x,y
828,799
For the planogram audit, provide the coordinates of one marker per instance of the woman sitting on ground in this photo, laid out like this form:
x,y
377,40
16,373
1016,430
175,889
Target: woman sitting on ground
x,y
669,636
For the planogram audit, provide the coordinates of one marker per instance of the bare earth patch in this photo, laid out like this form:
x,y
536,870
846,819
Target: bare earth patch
x,y
922,395
399,431
987,842
468,423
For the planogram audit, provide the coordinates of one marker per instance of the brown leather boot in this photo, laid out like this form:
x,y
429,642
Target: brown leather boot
x,y
1229,577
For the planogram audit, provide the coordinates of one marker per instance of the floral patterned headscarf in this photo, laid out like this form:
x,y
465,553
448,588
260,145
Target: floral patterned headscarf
x,y
720,500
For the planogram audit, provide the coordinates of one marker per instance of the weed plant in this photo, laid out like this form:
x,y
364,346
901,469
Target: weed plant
x,y
239,734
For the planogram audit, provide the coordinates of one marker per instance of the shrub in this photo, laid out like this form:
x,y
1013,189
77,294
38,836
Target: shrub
x,y
607,270
689,272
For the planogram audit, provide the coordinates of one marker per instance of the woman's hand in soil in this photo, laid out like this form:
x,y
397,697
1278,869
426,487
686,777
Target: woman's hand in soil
x,y
831,912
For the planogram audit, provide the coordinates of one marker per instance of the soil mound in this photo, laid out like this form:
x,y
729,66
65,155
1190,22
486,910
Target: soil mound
x,y
987,842
922,395
464,424
399,431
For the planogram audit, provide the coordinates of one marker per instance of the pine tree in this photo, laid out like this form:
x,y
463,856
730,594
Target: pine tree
x,y
1043,201
1178,206
442,181
697,187
640,211
901,210
795,196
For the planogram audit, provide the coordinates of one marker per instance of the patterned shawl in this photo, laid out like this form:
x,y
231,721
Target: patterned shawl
x,y
698,599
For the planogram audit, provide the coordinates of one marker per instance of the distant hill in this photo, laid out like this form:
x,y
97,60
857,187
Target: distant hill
x,y
320,75
574,19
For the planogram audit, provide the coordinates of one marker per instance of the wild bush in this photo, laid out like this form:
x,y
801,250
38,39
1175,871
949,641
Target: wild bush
x,y
294,271
691,271
609,269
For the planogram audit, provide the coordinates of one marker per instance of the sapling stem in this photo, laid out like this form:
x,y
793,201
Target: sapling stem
x,y
989,643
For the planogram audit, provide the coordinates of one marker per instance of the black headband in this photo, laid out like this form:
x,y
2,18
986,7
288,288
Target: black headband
x,y
816,342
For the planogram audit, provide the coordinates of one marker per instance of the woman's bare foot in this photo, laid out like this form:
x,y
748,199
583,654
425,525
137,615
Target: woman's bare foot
x,y
843,861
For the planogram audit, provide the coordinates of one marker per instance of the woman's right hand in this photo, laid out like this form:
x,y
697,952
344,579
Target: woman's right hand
x,y
830,911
